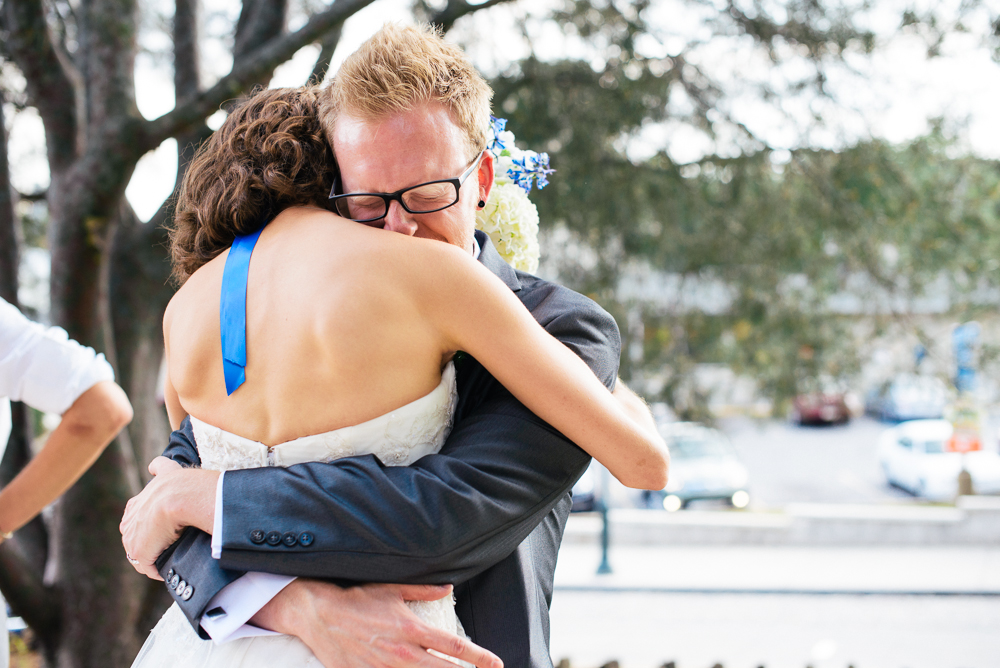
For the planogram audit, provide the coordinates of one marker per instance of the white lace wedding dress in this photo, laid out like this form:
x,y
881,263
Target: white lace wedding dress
x,y
398,438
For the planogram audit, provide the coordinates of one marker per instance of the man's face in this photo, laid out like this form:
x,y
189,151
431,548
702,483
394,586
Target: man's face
x,y
405,150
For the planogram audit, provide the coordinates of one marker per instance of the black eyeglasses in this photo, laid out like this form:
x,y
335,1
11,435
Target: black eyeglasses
x,y
423,198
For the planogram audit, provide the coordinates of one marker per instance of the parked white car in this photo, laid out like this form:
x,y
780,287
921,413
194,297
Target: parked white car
x,y
913,456
703,465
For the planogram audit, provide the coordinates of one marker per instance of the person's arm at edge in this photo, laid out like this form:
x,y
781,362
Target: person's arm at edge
x,y
86,428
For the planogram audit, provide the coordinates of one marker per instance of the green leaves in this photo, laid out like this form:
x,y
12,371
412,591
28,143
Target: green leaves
x,y
783,265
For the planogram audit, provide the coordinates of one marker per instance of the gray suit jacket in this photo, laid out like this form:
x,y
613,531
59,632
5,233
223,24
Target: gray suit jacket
x,y
487,513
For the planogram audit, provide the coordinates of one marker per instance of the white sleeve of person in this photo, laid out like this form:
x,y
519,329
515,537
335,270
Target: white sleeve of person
x,y
42,366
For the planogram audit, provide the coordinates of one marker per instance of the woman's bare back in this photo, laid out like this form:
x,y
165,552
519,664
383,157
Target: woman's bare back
x,y
335,336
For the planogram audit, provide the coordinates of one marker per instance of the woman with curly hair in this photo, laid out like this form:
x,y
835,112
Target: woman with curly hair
x,y
338,339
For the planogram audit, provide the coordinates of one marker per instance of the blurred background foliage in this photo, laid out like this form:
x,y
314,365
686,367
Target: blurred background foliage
x,y
763,260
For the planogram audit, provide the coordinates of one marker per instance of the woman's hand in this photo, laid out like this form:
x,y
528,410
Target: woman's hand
x,y
175,498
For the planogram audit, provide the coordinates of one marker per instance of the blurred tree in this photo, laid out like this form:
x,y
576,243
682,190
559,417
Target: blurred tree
x,y
745,260
825,252
109,277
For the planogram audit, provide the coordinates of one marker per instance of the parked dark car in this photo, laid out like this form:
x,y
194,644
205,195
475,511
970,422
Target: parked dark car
x,y
821,408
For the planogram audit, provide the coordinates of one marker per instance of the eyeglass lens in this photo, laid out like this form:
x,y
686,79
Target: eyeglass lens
x,y
425,198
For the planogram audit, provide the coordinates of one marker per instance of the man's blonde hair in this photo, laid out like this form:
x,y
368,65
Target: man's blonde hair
x,y
399,68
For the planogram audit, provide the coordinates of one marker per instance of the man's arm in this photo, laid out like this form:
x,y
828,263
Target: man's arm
x,y
443,519
458,515
182,448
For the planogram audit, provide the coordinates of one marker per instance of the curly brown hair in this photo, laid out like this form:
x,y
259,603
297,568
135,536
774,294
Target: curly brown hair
x,y
269,154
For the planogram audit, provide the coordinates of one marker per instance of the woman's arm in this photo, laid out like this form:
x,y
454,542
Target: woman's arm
x,y
175,412
634,405
87,427
171,400
540,371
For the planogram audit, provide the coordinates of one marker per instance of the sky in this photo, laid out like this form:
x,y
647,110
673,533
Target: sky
x,y
892,95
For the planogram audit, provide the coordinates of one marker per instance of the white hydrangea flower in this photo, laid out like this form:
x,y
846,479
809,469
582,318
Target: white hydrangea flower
x,y
506,138
511,220
501,170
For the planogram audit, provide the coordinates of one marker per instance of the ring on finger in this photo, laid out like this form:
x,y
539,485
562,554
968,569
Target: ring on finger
x,y
134,562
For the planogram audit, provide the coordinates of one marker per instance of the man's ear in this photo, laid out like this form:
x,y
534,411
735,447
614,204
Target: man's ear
x,y
485,174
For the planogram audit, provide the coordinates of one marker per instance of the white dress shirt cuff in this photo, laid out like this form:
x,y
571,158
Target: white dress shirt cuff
x,y
229,611
217,522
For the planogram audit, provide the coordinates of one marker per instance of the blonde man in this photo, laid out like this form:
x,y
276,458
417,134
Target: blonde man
x,y
486,514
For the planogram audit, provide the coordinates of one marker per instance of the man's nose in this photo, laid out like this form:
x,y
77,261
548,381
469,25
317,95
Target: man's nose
x,y
398,220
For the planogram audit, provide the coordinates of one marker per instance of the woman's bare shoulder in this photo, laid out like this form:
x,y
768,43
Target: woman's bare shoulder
x,y
195,293
380,252
428,256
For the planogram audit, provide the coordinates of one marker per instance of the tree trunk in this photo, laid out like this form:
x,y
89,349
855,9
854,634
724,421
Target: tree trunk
x,y
10,237
99,610
139,291
101,594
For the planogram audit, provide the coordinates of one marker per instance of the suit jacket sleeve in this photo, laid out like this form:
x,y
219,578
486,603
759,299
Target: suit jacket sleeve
x,y
445,518
187,557
182,448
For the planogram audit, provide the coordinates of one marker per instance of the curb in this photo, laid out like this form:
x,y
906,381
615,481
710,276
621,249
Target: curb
x,y
973,520
620,589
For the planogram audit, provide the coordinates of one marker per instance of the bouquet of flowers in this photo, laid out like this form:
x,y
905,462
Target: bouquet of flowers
x,y
509,217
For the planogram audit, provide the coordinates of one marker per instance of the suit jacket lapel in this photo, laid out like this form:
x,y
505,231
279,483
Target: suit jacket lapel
x,y
491,259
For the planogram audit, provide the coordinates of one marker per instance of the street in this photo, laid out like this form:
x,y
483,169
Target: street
x,y
702,605
829,464
645,630
939,607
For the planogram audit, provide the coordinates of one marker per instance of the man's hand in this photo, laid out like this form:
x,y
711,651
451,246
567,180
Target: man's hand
x,y
175,498
368,626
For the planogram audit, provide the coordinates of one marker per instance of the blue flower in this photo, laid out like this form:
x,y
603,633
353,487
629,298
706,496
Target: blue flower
x,y
542,170
530,167
497,125
523,168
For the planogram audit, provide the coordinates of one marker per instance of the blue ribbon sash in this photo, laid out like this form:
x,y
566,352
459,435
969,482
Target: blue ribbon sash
x,y
233,310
